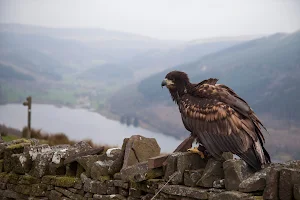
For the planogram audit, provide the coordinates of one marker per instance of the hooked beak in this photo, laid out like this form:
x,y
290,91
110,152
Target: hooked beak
x,y
166,82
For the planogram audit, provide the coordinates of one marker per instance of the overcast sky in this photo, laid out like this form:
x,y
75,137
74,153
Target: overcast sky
x,y
163,19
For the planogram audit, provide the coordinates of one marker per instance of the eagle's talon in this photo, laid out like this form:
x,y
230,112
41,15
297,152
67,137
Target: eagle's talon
x,y
196,150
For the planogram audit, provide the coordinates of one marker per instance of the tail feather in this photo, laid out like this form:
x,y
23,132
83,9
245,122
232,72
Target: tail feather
x,y
251,159
256,156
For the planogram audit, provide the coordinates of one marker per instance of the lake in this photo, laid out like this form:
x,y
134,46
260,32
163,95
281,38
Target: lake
x,y
79,124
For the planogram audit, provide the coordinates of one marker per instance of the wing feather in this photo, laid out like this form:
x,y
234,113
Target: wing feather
x,y
222,128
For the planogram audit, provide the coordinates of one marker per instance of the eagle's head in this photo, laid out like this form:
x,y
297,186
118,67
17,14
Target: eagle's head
x,y
177,82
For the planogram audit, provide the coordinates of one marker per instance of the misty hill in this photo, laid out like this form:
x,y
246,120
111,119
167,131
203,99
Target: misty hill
x,y
64,66
114,44
55,52
265,72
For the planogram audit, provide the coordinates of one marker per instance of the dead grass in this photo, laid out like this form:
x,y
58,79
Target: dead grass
x,y
52,139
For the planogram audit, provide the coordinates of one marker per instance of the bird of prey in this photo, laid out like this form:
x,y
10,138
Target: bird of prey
x,y
218,118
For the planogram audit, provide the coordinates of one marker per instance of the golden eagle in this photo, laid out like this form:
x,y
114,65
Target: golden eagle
x,y
218,118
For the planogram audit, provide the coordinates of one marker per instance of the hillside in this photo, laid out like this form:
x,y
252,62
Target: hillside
x,y
66,65
263,71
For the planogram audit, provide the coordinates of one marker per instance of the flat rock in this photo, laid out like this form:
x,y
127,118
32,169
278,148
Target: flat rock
x,y
87,161
15,147
108,164
255,182
235,171
94,186
219,184
171,165
54,195
62,154
184,191
69,194
109,197
129,173
297,191
21,163
182,161
139,149
191,177
229,195
92,151
213,172
14,195
272,183
288,177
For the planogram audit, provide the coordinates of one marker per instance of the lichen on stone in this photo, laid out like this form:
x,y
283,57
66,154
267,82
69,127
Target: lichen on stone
x,y
109,152
58,155
27,179
66,181
17,146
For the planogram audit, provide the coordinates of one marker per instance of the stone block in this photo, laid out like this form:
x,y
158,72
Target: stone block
x,y
66,181
54,195
1,166
13,148
191,177
109,197
23,189
213,172
94,186
108,163
28,180
86,152
272,184
157,161
41,164
184,191
112,190
235,171
38,190
87,161
21,163
149,174
288,177
171,165
219,184
128,174
230,195
69,194
14,195
134,192
296,191
187,161
117,176
88,195
139,149
123,192
255,182
121,184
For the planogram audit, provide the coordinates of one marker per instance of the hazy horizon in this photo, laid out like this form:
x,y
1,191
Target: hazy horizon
x,y
165,20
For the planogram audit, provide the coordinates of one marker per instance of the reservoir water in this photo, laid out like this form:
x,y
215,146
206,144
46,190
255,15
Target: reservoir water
x,y
79,124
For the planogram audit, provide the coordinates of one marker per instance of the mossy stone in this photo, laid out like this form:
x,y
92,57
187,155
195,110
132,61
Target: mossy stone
x,y
12,178
28,180
66,181
1,165
23,189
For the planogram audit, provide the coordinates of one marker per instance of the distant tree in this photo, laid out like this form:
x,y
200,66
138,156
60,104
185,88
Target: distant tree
x,y
122,119
128,121
135,122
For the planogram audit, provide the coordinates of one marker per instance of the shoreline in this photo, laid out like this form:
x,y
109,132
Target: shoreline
x,y
104,112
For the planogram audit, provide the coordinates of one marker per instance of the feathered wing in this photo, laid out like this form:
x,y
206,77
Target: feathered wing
x,y
223,122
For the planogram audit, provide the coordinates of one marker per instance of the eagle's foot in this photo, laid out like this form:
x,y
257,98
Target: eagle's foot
x,y
196,150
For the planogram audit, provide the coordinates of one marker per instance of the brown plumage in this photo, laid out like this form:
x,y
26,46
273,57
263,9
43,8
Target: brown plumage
x,y
218,118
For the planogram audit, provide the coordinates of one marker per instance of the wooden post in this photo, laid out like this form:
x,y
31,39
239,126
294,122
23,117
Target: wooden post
x,y
28,104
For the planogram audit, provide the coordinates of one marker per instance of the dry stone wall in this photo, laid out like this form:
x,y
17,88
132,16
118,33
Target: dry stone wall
x,y
29,170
